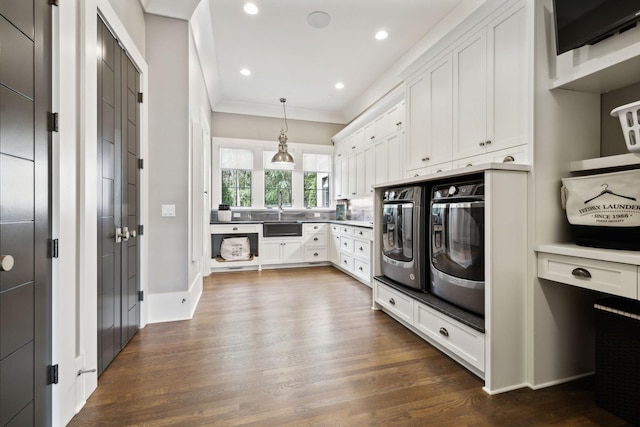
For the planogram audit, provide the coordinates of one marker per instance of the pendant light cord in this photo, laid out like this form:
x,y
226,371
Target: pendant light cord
x,y
286,125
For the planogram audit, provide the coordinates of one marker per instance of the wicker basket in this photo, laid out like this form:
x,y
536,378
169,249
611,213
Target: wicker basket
x,y
618,357
629,115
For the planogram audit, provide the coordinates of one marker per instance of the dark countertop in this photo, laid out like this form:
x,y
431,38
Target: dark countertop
x,y
364,224
471,320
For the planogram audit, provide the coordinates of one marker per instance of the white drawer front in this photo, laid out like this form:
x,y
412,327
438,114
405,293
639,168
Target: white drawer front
x,y
346,262
346,230
315,254
610,277
397,303
346,244
311,228
465,342
362,248
334,228
362,233
315,240
362,269
235,228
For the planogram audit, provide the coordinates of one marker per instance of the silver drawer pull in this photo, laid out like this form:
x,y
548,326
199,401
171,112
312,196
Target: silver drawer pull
x,y
392,301
583,273
315,239
361,248
345,243
360,268
235,228
444,332
315,254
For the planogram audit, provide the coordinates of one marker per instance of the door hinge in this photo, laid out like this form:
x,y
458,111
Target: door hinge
x,y
140,230
53,248
140,295
140,163
54,2
140,97
53,374
54,119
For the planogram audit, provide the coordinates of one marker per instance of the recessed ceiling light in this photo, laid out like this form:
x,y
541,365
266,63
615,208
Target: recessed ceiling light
x,y
381,35
251,8
245,72
339,85
318,19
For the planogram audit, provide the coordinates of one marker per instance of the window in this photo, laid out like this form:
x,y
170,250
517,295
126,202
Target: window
x,y
236,168
277,180
316,180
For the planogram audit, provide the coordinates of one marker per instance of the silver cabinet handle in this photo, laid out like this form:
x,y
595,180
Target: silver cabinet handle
x,y
582,273
315,227
488,142
469,165
439,171
508,159
373,137
345,243
444,332
6,262
481,143
361,248
392,301
235,228
360,268
398,124
425,159
315,254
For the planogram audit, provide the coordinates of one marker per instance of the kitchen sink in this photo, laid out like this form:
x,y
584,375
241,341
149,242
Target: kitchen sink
x,y
282,229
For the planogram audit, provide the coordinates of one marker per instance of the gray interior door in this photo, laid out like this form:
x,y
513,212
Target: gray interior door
x,y
118,141
25,269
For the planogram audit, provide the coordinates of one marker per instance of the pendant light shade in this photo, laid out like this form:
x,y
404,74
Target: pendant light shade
x,y
283,156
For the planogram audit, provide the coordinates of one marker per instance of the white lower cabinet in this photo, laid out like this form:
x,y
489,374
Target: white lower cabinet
x,y
287,250
350,249
314,236
463,343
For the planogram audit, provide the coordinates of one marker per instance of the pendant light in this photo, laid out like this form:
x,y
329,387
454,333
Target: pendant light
x,y
283,156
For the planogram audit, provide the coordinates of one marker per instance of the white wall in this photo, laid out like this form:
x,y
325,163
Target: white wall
x,y
132,17
242,126
167,52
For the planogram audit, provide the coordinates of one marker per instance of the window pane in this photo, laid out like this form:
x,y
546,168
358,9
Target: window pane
x,y
277,181
316,189
236,187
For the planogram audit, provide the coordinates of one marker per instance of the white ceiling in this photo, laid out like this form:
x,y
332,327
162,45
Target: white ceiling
x,y
289,58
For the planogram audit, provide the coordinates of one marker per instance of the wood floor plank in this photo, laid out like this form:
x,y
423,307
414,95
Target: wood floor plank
x,y
302,347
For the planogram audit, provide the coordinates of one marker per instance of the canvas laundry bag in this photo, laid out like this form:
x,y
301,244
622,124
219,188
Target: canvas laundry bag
x,y
235,249
604,209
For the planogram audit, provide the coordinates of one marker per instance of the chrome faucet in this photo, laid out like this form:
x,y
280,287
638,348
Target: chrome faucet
x,y
280,205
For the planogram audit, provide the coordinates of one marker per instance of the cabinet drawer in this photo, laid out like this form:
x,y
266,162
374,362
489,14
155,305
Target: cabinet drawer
x,y
235,228
345,230
346,262
604,276
315,240
362,248
334,229
346,244
395,302
315,254
465,342
362,233
314,228
362,269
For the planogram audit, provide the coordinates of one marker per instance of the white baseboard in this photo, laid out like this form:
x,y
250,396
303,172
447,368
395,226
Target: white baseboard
x,y
560,381
173,306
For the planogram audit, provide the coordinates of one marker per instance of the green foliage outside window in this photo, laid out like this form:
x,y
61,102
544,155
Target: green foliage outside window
x,y
236,187
316,189
275,181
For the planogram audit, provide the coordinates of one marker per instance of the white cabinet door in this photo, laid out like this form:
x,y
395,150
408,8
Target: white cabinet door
x,y
337,178
352,174
291,252
369,168
361,189
470,96
344,180
271,251
394,156
334,248
440,113
395,117
382,164
508,103
417,94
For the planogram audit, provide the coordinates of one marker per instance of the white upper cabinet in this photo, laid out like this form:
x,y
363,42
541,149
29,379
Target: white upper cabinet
x,y
470,96
471,100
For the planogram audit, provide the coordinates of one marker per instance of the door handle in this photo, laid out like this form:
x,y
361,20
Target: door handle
x,y
6,262
122,234
582,273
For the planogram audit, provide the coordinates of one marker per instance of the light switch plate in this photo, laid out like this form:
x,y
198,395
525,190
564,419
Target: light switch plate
x,y
168,210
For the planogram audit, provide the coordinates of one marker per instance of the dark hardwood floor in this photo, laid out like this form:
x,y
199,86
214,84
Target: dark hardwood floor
x,y
302,347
